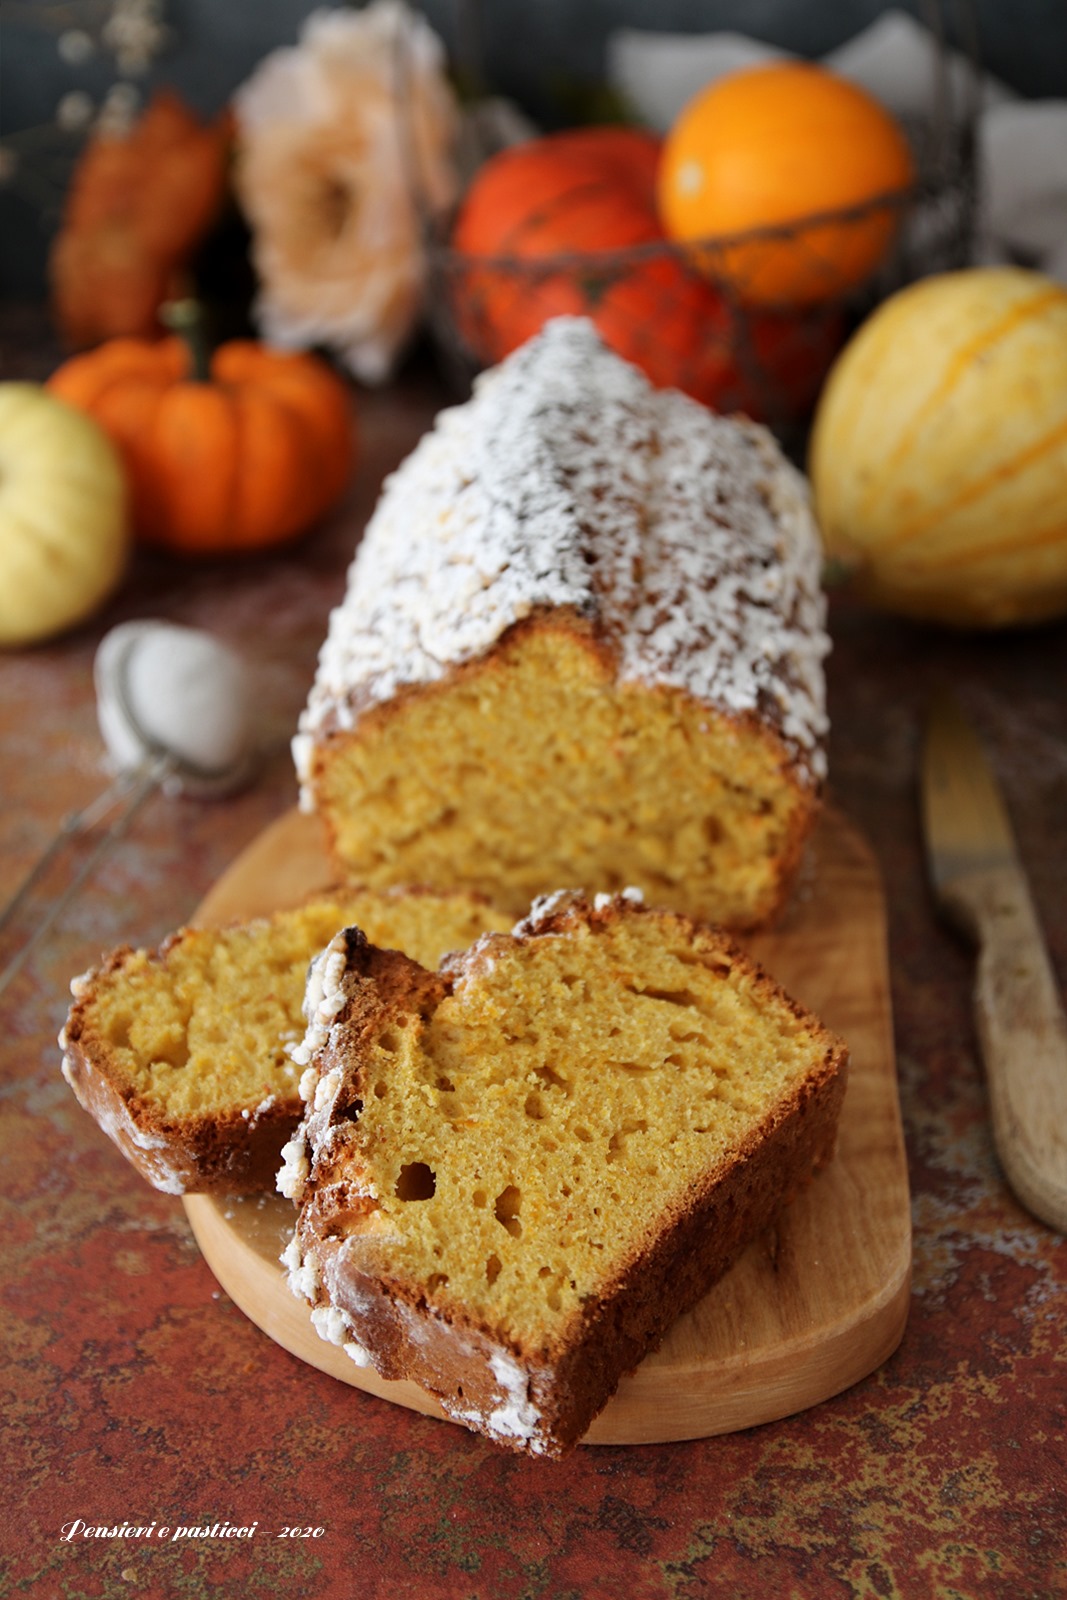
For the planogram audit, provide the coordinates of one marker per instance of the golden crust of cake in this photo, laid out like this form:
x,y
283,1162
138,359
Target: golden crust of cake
x,y
582,641
182,1054
516,1172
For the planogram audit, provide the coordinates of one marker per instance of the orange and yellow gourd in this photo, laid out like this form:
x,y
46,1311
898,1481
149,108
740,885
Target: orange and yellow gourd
x,y
939,450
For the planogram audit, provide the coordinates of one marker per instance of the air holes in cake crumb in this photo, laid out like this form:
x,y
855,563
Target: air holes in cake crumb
x,y
390,1041
436,1280
417,1181
480,1198
347,1110
551,1078
444,1085
506,1210
492,1269
584,1135
380,1091
617,1142
534,1107
686,958
712,830
671,997
551,1281
172,1054
118,1033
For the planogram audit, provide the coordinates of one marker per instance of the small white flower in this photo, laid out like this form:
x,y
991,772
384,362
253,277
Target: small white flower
x,y
75,111
119,110
135,33
76,47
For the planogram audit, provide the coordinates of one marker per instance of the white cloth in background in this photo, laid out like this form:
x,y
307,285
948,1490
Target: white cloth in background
x,y
1021,145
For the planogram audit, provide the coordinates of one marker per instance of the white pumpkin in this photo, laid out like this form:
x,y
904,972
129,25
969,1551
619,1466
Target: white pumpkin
x,y
64,530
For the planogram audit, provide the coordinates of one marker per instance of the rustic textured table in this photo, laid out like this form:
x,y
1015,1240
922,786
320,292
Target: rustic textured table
x,y
136,1393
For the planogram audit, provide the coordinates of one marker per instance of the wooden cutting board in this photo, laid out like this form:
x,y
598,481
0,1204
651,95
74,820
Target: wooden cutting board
x,y
813,1306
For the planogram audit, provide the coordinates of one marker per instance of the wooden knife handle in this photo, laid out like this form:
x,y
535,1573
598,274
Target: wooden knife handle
x,y
1023,1034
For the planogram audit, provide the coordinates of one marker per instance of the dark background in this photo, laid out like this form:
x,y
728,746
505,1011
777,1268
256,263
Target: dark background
x,y
547,54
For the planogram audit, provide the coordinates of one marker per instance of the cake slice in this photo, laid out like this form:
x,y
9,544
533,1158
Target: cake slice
x,y
182,1054
514,1173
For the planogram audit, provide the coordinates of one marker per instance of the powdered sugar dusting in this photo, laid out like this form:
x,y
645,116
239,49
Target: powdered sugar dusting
x,y
684,538
547,910
517,1417
323,1001
330,1322
544,908
302,1273
292,1176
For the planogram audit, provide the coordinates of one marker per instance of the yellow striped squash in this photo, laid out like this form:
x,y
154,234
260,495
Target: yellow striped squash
x,y
939,450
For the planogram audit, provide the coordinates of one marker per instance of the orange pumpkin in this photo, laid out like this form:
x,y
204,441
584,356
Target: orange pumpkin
x,y
567,225
771,148
538,205
563,192
138,205
239,454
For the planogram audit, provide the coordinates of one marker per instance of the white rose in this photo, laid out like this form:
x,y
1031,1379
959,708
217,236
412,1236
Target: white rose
x,y
340,141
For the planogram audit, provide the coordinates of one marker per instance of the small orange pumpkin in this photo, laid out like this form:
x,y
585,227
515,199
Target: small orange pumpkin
x,y
238,453
554,199
582,189
139,203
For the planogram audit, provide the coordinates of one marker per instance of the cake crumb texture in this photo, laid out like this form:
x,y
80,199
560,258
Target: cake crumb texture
x,y
522,1168
183,1054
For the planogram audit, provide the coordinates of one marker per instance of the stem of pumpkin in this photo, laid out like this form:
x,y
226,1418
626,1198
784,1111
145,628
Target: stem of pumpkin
x,y
185,318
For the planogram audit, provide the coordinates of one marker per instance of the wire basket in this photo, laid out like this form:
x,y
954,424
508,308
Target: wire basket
x,y
688,325
682,311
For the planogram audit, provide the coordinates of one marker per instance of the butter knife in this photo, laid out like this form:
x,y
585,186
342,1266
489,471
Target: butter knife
x,y
980,885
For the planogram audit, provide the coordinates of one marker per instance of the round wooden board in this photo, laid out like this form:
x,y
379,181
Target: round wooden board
x,y
813,1306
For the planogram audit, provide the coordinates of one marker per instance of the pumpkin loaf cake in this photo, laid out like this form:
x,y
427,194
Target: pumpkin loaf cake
x,y
514,1173
182,1054
582,642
